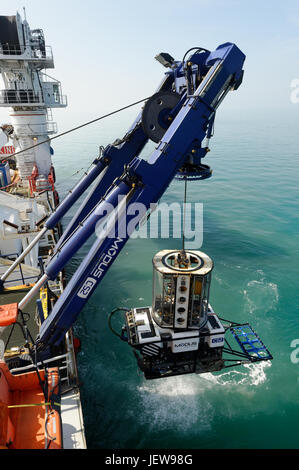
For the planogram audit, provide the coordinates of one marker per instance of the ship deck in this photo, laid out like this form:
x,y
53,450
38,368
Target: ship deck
x,y
22,276
71,410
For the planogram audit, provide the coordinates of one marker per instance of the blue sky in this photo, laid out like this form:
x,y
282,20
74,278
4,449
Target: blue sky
x,y
104,51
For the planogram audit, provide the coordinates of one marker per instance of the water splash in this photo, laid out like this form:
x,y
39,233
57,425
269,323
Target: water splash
x,y
176,403
254,375
260,294
185,401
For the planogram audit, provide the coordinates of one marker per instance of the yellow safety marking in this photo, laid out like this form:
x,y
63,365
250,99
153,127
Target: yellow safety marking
x,y
33,404
43,295
20,287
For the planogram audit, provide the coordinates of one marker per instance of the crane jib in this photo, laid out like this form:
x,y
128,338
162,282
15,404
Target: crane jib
x,y
148,181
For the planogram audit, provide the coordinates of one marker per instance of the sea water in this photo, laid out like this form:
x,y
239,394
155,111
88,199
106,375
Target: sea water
x,y
250,230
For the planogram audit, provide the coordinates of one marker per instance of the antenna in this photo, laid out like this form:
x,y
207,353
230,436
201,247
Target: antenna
x,y
24,9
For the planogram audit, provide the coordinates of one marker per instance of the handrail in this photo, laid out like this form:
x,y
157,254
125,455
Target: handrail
x,y
20,96
46,361
23,279
37,52
28,97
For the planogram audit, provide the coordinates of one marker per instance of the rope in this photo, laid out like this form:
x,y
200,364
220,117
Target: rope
x,y
79,127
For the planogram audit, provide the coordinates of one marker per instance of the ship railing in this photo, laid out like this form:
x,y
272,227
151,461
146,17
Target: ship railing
x,y
64,361
51,97
20,97
23,279
40,52
49,127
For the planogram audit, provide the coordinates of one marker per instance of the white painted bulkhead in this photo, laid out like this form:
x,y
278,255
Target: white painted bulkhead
x,y
22,213
31,129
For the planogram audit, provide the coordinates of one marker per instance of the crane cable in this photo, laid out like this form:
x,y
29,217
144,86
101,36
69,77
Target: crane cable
x,y
184,216
79,127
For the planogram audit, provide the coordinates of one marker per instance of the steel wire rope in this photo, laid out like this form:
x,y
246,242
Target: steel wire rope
x,y
80,126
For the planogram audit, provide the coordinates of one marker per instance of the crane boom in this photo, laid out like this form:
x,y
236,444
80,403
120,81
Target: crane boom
x,y
142,182
188,99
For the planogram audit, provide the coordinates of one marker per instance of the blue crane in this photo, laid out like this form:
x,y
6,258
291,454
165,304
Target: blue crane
x,y
179,119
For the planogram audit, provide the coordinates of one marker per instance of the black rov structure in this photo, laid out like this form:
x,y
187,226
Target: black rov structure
x,y
180,333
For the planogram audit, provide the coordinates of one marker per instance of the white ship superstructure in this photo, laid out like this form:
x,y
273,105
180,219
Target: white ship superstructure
x,y
29,93
27,197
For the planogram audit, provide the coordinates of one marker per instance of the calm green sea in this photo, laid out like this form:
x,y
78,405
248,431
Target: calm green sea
x,y
251,221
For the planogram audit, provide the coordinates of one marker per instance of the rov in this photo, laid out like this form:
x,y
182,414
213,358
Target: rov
x,y
180,333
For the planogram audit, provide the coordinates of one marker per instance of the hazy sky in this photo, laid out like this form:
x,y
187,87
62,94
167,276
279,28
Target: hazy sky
x,y
104,50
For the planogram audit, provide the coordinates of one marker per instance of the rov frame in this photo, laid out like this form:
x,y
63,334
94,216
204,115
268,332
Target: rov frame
x,y
180,333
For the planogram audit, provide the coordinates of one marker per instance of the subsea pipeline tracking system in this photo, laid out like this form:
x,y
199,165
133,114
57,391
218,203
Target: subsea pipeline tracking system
x,y
179,118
